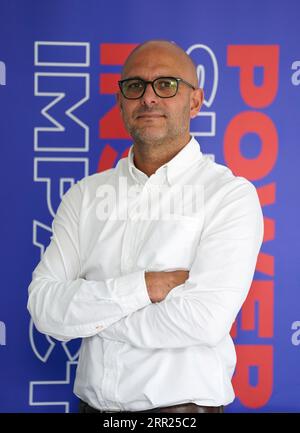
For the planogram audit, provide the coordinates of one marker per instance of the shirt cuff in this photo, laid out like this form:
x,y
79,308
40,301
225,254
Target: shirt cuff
x,y
131,291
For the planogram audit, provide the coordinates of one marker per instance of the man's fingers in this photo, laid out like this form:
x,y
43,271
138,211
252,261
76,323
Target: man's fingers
x,y
180,277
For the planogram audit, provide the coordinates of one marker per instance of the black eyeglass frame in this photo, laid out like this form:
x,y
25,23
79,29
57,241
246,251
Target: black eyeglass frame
x,y
178,80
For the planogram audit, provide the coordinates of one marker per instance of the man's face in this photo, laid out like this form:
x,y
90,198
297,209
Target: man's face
x,y
152,119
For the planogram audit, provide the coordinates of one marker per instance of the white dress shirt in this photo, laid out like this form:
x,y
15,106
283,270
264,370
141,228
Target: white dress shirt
x,y
135,354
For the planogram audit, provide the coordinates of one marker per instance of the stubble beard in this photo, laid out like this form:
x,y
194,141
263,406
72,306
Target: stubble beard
x,y
149,140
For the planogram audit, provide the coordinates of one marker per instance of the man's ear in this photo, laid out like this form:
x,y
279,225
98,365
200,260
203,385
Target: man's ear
x,y
197,98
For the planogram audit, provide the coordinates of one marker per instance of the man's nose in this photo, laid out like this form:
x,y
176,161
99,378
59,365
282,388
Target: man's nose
x,y
149,97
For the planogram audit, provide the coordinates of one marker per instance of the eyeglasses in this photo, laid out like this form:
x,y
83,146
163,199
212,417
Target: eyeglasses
x,y
164,87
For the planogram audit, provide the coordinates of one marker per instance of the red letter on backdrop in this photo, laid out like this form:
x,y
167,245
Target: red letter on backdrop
x,y
265,261
111,125
247,58
261,357
261,293
245,123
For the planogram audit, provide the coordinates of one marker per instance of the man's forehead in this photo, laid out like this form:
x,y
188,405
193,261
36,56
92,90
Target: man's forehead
x,y
158,59
151,69
153,53
155,61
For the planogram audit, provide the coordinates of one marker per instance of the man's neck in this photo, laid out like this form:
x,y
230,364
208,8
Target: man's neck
x,y
149,158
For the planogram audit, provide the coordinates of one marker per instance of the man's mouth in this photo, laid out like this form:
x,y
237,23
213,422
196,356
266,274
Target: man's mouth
x,y
149,116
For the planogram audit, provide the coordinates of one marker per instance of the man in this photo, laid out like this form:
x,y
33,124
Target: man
x,y
152,280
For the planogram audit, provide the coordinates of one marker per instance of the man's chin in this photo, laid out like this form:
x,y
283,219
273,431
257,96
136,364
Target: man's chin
x,y
148,136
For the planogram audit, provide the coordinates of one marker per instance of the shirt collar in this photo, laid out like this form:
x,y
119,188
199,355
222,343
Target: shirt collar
x,y
190,153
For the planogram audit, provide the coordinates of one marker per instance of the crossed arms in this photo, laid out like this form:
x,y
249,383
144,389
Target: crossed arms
x,y
151,309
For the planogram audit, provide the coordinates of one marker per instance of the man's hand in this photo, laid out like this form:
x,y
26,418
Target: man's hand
x,y
159,284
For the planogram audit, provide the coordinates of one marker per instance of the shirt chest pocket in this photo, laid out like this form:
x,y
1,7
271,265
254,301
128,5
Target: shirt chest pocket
x,y
170,244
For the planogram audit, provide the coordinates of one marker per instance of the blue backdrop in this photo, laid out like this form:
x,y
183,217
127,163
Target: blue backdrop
x,y
59,61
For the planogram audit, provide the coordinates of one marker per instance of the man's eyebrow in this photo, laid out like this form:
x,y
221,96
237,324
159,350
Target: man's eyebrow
x,y
133,78
155,77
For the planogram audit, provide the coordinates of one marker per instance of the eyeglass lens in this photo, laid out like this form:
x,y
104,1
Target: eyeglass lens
x,y
163,87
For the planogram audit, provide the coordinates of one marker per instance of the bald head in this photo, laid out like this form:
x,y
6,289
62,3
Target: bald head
x,y
151,51
159,125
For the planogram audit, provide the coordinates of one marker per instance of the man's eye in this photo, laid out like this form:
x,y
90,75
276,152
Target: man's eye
x,y
165,84
136,85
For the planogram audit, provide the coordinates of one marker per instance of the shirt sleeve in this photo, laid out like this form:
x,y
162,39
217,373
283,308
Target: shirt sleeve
x,y
203,309
64,305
